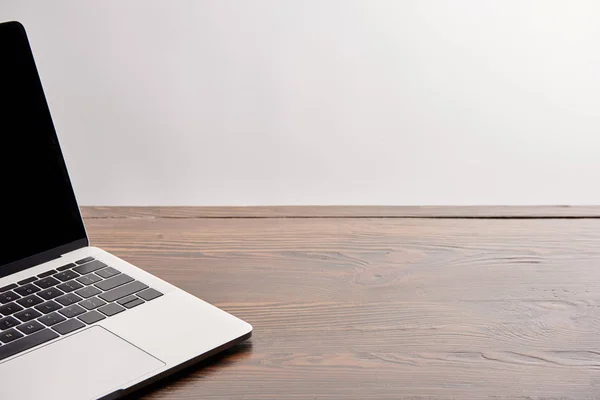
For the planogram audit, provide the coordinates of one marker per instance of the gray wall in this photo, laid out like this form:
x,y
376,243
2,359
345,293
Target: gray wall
x,y
222,102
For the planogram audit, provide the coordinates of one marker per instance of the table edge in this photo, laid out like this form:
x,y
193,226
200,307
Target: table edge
x,y
92,212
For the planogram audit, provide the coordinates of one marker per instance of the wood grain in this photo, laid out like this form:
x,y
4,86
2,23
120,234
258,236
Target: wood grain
x,y
380,308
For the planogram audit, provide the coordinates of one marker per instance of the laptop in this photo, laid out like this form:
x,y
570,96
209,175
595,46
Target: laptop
x,y
77,322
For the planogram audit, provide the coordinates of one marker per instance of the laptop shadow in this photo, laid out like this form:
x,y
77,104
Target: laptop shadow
x,y
202,369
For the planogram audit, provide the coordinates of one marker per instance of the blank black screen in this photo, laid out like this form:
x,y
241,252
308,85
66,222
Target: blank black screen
x,y
39,211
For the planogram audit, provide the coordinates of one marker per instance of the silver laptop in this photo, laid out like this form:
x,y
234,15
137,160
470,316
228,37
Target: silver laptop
x,y
77,322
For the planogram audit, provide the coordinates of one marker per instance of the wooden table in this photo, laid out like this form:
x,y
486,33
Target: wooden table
x,y
381,302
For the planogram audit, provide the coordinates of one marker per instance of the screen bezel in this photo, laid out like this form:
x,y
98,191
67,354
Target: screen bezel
x,y
17,28
40,258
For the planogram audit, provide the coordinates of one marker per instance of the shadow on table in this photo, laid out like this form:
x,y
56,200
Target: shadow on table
x,y
204,369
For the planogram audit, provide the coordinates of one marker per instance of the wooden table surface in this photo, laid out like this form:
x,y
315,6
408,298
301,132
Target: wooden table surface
x,y
380,302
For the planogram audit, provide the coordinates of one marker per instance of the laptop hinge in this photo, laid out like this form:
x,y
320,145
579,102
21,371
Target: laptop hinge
x,y
40,258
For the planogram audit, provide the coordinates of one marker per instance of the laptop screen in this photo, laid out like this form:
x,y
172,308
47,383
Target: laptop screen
x,y
39,211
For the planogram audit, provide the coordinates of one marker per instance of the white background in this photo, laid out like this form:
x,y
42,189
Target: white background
x,y
222,102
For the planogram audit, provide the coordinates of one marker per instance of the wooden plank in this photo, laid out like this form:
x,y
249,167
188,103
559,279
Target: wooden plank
x,y
383,308
345,212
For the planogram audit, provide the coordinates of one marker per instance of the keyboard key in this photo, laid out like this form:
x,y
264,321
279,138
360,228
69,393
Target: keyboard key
x,y
50,293
68,299
30,301
123,291
84,260
89,267
108,272
7,297
47,282
134,303
8,322
27,289
51,319
72,311
88,291
47,273
70,286
26,281
68,326
10,335
149,294
65,267
8,287
30,327
48,307
127,299
10,308
28,342
92,302
91,317
114,282
66,275
89,279
111,309
27,315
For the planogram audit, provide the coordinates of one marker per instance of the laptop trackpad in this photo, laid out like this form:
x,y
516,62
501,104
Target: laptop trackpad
x,y
86,365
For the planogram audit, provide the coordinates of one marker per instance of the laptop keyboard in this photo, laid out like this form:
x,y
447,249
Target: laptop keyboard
x,y
57,302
